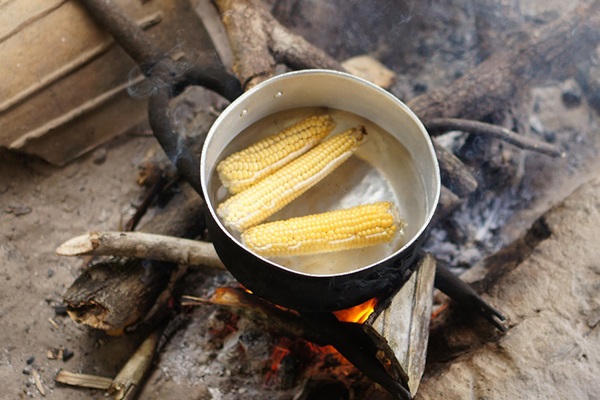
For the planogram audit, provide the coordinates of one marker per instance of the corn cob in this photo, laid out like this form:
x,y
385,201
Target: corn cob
x,y
360,226
244,168
265,198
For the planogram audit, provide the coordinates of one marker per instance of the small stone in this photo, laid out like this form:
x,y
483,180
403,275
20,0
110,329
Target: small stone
x,y
99,156
50,273
571,94
17,211
30,360
60,309
67,354
420,88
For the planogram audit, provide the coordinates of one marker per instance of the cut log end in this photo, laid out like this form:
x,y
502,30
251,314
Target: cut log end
x,y
80,245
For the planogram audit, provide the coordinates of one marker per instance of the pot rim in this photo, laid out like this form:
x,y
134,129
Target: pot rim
x,y
229,113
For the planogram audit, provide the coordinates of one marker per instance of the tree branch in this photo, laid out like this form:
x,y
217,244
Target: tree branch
x,y
143,245
442,125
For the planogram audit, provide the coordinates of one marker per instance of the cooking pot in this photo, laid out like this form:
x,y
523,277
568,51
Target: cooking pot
x,y
396,164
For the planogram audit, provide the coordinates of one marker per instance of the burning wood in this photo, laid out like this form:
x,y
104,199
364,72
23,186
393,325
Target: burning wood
x,y
394,330
243,303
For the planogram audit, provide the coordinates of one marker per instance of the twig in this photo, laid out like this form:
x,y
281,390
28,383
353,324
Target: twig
x,y
254,308
441,125
142,245
83,380
149,198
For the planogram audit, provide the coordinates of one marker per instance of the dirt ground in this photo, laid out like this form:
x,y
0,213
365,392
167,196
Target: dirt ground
x,y
41,206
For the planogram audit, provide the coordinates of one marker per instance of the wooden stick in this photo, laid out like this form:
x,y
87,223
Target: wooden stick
x,y
448,203
143,245
83,380
442,125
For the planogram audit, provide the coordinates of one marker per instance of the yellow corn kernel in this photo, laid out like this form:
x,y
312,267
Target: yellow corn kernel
x,y
263,199
246,167
351,228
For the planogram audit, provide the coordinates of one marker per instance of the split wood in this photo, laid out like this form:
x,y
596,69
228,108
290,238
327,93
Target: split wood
x,y
83,380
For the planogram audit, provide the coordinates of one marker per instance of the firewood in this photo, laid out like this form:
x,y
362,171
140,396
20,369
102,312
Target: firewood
x,y
455,175
404,324
258,41
448,203
143,245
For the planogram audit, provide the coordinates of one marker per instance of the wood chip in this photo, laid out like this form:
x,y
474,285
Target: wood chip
x,y
53,323
38,382
368,68
83,380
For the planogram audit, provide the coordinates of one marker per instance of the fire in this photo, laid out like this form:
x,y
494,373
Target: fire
x,y
359,313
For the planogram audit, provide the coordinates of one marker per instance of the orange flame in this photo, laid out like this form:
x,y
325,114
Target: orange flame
x,y
358,314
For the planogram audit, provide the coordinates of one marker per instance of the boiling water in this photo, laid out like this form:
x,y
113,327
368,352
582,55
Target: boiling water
x,y
381,170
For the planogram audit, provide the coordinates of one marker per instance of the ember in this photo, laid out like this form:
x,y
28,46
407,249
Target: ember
x,y
280,350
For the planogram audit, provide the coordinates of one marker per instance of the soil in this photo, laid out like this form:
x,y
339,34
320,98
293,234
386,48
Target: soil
x,y
41,206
